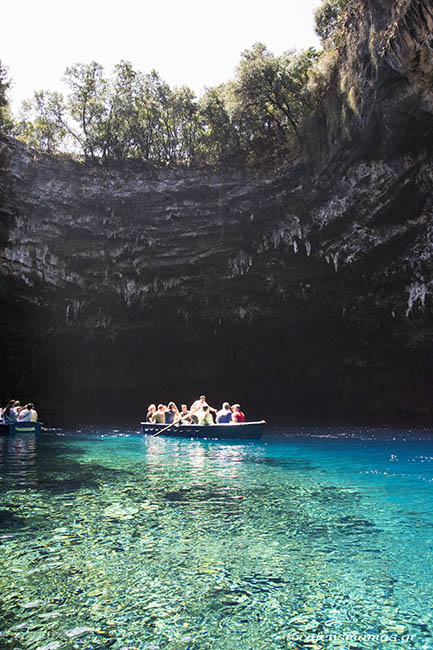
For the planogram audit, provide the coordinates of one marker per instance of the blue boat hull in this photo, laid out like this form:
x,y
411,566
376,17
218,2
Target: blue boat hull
x,y
241,431
20,427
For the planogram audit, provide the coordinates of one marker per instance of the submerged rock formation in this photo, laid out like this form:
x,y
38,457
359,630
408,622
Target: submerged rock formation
x,y
305,292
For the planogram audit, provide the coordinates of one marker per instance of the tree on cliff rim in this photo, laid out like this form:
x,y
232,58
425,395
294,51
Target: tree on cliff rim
x,y
87,104
48,129
5,116
268,99
49,122
219,139
329,19
255,117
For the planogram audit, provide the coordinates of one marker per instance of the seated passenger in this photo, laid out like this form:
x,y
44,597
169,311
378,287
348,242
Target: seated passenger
x,y
237,415
224,415
28,414
171,414
150,411
10,415
33,413
206,416
185,416
159,416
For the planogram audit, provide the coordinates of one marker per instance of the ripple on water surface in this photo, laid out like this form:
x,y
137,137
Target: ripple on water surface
x,y
315,540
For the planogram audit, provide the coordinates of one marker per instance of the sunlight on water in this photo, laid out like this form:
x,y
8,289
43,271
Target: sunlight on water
x,y
318,538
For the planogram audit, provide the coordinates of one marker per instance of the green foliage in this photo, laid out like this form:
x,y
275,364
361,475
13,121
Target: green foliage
x,y
329,19
269,98
5,116
255,117
126,126
4,85
219,138
46,132
320,75
87,105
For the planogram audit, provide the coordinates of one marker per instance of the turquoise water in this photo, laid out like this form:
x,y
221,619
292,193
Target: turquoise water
x,y
310,538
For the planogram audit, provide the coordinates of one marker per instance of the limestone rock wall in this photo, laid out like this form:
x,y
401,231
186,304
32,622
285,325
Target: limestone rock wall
x,y
307,292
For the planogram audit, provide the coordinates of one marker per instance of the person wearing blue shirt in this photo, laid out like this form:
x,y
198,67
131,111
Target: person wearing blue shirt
x,y
224,415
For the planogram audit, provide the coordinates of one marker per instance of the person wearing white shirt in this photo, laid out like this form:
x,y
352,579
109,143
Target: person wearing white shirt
x,y
196,410
28,414
9,414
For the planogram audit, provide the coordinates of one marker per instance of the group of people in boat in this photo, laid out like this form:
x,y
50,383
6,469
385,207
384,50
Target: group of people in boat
x,y
199,413
14,412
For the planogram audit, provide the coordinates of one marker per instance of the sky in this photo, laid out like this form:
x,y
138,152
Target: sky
x,y
189,42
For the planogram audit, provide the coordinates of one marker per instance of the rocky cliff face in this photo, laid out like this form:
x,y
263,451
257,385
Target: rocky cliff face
x,y
307,292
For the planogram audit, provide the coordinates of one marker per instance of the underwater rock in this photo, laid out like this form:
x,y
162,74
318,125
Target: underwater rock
x,y
118,511
32,604
77,631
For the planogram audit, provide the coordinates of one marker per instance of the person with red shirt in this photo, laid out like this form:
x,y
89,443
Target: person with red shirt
x,y
237,415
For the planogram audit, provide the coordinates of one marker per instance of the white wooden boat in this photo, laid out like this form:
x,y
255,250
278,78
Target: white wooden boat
x,y
231,430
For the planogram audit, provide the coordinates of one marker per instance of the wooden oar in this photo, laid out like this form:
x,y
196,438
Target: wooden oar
x,y
158,433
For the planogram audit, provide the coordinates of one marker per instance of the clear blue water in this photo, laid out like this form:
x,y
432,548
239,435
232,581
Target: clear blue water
x,y
310,538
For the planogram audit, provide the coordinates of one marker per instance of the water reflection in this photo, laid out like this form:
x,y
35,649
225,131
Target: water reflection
x,y
18,455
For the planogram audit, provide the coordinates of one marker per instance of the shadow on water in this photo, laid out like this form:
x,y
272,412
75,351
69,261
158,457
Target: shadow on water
x,y
353,523
32,462
10,521
268,461
57,449
331,494
68,475
199,494
245,586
